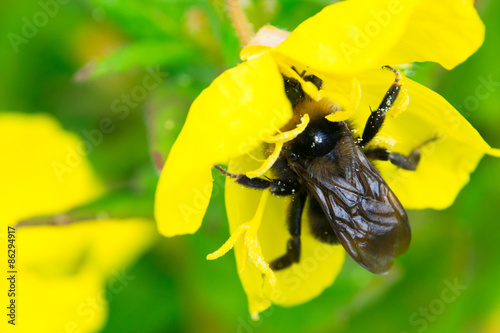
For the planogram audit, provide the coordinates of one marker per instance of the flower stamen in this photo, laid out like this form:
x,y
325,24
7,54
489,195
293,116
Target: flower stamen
x,y
250,246
255,158
268,163
292,134
343,115
279,140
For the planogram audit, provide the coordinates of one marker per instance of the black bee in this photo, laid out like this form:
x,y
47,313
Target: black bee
x,y
329,169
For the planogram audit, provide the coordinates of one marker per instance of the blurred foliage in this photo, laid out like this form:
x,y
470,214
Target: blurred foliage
x,y
100,59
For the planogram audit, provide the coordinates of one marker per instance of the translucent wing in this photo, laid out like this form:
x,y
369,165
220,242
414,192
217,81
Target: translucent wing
x,y
364,213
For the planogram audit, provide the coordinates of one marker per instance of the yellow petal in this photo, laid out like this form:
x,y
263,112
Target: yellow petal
x,y
79,301
446,32
66,268
319,265
355,35
44,169
445,164
117,243
240,108
107,244
62,269
348,36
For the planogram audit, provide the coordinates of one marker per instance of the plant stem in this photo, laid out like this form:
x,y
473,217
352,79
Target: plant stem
x,y
240,21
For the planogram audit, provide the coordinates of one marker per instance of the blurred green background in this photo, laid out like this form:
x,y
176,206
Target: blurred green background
x,y
89,61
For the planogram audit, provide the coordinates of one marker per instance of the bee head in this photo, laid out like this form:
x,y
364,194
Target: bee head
x,y
318,139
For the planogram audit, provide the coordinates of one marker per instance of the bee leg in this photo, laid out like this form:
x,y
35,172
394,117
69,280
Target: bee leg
x,y
377,117
311,78
293,89
293,247
409,162
280,187
315,80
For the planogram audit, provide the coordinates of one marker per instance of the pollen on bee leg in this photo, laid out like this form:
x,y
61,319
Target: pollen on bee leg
x,y
403,99
401,103
279,140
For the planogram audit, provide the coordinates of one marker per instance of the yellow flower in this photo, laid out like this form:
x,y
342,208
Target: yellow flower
x,y
64,274
345,45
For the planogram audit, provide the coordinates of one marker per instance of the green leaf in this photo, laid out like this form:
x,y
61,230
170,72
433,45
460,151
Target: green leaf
x,y
165,115
150,53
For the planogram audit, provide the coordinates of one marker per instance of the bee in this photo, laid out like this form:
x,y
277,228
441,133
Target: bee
x,y
330,170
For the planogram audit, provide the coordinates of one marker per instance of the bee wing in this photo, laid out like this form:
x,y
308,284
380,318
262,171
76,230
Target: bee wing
x,y
366,216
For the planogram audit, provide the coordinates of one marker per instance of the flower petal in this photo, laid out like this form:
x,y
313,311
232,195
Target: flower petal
x,y
319,264
65,266
445,164
237,111
44,170
355,35
348,36
446,32
67,296
109,245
